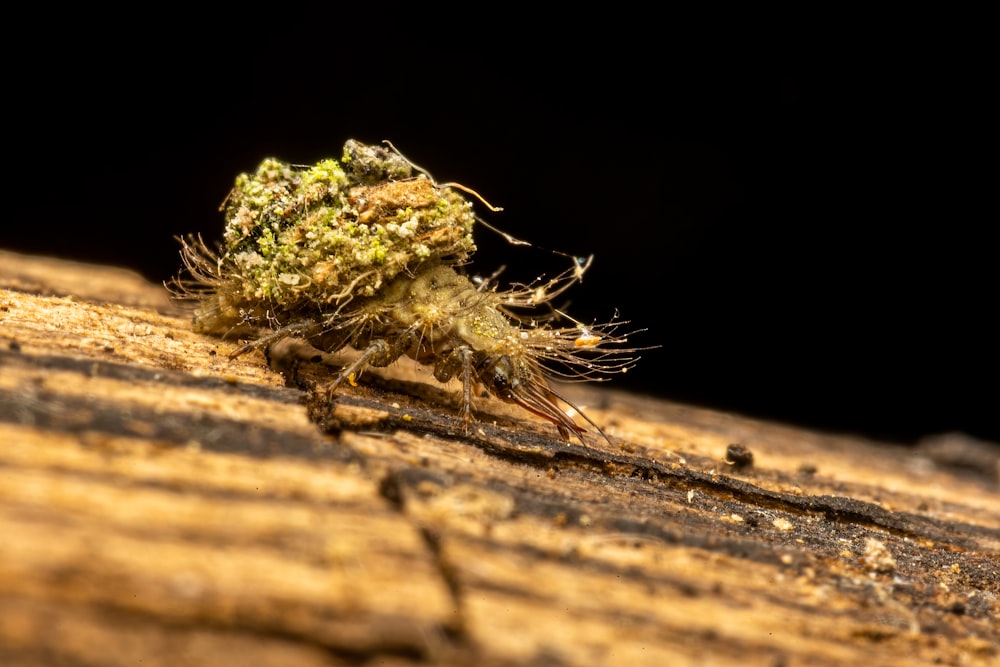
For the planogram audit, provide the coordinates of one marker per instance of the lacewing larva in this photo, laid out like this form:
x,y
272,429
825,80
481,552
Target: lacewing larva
x,y
367,252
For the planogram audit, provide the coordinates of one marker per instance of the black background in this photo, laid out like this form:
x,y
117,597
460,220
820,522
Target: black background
x,y
799,219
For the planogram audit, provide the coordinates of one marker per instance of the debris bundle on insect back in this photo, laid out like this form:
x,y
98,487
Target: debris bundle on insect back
x,y
365,252
301,238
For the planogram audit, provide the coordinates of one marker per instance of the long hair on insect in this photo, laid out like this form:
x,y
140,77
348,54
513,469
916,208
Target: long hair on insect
x,y
574,352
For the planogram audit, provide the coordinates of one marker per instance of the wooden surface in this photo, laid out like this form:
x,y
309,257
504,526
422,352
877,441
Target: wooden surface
x,y
161,504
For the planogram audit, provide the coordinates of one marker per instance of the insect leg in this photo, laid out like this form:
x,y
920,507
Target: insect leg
x,y
375,353
458,360
466,358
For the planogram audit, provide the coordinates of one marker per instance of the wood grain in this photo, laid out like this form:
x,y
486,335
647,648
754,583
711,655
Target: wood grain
x,y
161,503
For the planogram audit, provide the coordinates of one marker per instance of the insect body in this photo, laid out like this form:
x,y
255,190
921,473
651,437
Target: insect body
x,y
368,256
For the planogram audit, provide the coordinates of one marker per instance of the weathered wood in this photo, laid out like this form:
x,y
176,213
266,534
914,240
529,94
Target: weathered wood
x,y
161,503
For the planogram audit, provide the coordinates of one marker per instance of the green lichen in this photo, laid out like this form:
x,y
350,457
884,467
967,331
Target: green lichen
x,y
305,237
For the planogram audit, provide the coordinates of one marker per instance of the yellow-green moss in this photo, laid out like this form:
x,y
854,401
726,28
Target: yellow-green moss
x,y
299,236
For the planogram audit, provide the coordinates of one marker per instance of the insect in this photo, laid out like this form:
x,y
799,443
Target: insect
x,y
368,252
